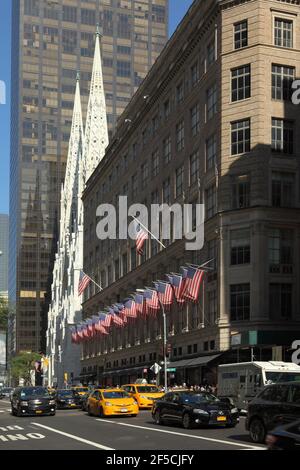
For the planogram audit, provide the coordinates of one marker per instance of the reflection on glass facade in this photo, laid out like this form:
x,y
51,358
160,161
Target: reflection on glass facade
x,y
4,228
50,42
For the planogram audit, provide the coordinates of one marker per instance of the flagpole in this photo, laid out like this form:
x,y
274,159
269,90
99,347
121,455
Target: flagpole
x,y
101,288
165,347
148,231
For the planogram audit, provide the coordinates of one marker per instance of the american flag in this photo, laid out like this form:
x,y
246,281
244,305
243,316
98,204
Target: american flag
x,y
193,282
130,308
84,281
140,304
165,293
120,310
106,320
152,303
116,319
141,237
74,335
178,283
80,332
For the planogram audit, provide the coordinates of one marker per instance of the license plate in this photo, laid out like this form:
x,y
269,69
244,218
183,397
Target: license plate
x,y
221,418
38,412
124,410
73,404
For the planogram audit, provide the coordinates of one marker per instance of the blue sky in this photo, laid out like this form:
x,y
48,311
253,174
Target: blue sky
x,y
178,9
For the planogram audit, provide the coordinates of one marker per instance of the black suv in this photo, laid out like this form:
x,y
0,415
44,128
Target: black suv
x,y
276,405
194,408
32,401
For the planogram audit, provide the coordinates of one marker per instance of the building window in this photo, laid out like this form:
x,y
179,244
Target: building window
x,y
282,78
282,136
167,109
179,93
180,136
211,52
88,16
133,258
240,137
280,304
211,102
195,74
117,269
241,34
123,68
166,191
283,189
134,186
241,192
211,208
241,83
280,251
212,307
283,32
211,152
70,14
240,247
155,124
145,174
195,120
194,167
124,264
240,302
179,181
167,150
155,163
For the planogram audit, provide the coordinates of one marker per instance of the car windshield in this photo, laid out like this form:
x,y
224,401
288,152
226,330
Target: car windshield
x,y
276,377
66,393
34,391
147,389
196,398
115,395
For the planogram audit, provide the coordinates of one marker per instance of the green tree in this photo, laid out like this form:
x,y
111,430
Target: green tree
x,y
22,364
4,311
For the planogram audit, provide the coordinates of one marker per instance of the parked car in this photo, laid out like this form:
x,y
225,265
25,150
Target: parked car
x,y
194,409
67,399
5,392
276,405
284,437
111,402
32,401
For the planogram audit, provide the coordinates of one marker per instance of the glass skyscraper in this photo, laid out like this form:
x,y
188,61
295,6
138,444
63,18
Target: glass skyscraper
x,y
51,41
4,230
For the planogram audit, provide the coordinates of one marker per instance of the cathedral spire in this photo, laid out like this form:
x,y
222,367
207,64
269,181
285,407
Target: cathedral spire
x,y
96,133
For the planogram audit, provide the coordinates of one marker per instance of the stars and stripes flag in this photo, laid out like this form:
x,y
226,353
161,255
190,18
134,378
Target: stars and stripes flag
x,y
84,281
194,277
116,319
80,332
130,308
165,293
120,310
140,304
177,281
152,302
101,324
141,237
74,335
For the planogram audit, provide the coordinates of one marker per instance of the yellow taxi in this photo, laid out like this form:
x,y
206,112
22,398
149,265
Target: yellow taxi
x,y
111,402
80,390
144,394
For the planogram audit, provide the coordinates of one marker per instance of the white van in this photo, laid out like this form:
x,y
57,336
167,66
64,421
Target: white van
x,y
242,381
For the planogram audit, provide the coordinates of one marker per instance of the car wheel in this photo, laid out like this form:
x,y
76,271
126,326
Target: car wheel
x,y
89,411
186,421
257,431
133,416
13,411
19,412
101,414
157,417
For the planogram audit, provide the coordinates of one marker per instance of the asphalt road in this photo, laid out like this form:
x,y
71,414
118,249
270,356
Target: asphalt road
x,y
75,430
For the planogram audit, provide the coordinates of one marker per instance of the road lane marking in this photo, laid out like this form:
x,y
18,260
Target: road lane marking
x,y
193,436
75,438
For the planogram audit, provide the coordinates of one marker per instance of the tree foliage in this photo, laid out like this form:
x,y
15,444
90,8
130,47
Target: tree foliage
x,y
4,311
22,364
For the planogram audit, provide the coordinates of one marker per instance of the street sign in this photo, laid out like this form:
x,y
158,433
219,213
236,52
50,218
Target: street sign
x,y
155,368
171,369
